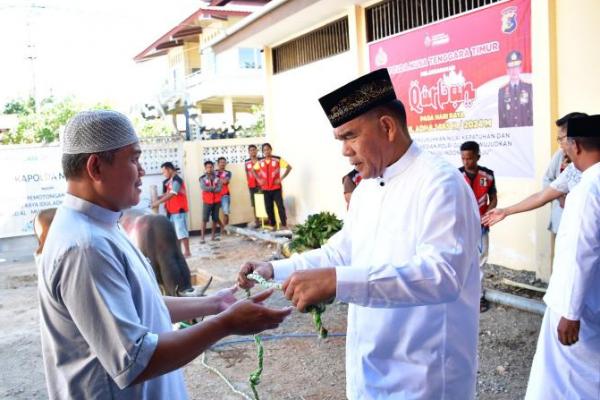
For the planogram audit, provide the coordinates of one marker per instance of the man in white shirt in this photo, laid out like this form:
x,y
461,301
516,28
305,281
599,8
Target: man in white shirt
x,y
556,167
566,364
106,330
406,259
555,186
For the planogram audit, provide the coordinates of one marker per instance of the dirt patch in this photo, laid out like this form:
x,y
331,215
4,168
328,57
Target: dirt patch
x,y
294,368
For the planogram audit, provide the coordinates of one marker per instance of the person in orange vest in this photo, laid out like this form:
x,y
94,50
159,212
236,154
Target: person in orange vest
x,y
482,182
211,187
268,173
176,204
253,187
225,177
350,182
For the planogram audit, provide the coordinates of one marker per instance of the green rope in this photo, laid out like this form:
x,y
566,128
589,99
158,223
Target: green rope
x,y
254,378
315,310
265,283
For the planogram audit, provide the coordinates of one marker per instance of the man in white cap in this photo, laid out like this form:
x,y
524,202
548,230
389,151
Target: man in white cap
x,y
406,260
566,364
106,330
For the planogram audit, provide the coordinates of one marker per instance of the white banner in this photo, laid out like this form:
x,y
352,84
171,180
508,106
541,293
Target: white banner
x,y
31,180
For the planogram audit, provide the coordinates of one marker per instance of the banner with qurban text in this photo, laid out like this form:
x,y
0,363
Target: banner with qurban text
x,y
468,78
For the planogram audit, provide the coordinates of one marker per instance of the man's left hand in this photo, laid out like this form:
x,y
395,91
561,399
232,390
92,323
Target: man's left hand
x,y
313,286
568,331
225,298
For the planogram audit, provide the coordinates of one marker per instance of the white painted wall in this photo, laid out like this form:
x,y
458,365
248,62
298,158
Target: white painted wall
x,y
302,135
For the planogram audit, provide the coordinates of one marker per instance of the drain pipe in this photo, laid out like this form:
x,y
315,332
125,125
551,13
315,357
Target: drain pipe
x,y
511,300
257,235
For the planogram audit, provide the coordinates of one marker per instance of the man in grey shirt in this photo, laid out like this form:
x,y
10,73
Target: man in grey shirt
x,y
106,330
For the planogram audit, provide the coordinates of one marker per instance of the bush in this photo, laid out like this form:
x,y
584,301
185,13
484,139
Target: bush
x,y
315,231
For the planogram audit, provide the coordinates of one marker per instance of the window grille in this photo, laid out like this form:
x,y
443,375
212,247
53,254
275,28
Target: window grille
x,y
321,43
394,16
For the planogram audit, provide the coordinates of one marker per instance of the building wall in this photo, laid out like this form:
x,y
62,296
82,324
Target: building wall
x,y
565,80
193,168
578,59
191,54
301,133
565,65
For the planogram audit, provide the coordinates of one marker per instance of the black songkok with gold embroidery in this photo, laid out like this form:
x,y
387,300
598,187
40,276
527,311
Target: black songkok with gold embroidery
x,y
357,97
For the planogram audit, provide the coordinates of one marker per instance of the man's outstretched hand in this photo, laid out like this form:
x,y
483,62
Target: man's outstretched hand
x,y
493,216
249,316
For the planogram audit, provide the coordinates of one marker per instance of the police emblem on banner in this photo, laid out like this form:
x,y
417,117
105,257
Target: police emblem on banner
x,y
509,20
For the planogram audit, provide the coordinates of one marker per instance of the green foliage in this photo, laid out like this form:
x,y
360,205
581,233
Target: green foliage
x,y
41,123
258,128
20,107
153,128
315,231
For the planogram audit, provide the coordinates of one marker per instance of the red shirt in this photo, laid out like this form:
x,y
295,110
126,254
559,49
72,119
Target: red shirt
x,y
483,185
178,203
252,183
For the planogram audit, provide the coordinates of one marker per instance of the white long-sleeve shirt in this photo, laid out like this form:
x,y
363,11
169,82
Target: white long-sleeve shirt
x,y
407,262
572,291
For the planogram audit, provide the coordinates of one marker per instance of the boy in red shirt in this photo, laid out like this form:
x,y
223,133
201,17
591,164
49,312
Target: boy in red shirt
x,y
483,183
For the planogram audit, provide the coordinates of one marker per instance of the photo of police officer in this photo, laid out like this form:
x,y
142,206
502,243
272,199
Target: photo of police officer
x,y
515,98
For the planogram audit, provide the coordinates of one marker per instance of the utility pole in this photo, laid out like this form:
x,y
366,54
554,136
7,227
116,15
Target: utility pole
x,y
31,54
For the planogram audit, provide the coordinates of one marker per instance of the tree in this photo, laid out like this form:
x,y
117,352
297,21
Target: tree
x,y
41,123
153,128
20,107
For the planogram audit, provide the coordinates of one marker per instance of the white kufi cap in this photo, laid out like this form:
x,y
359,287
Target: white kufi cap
x,y
97,131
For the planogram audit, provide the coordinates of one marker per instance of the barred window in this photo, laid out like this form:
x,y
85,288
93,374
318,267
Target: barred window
x,y
321,43
394,16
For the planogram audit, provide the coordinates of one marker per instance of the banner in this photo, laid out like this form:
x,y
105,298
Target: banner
x,y
31,180
468,78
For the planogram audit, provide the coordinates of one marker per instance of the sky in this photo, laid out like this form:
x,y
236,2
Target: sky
x,y
84,48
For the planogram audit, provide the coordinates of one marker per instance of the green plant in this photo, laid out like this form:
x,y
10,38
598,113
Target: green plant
x,y
41,122
315,231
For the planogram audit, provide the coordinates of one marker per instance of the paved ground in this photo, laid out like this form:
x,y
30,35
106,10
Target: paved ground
x,y
305,368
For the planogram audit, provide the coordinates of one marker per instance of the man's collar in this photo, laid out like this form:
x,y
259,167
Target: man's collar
x,y
92,210
402,164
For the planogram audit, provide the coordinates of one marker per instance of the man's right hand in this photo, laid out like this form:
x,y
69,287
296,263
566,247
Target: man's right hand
x,y
249,316
264,269
493,216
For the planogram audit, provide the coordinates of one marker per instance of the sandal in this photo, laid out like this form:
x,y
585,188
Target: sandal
x,y
484,305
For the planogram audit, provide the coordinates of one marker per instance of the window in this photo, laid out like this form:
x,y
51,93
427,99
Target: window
x,y
250,58
326,41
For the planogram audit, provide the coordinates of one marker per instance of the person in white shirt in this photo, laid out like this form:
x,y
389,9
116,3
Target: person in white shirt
x,y
557,165
106,330
406,259
566,364
557,184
